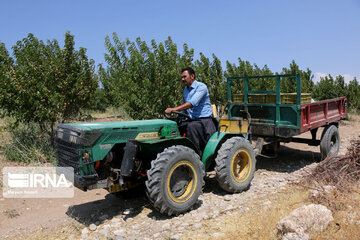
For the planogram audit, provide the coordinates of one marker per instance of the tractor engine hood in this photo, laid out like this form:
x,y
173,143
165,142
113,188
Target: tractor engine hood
x,y
86,134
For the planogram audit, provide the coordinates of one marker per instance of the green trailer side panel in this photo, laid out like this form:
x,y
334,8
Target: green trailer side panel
x,y
288,116
268,117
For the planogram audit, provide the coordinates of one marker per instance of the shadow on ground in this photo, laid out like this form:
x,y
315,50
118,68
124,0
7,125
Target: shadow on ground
x,y
287,160
112,205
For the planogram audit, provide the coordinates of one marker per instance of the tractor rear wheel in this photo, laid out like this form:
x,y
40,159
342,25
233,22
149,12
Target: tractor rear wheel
x,y
175,180
330,142
235,165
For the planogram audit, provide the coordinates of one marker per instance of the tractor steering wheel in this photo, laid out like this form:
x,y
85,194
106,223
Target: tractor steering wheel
x,y
178,119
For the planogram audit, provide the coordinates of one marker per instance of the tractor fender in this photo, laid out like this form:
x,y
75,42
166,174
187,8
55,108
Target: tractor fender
x,y
214,144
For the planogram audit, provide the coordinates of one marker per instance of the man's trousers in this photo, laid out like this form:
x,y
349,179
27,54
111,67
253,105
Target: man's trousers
x,y
198,131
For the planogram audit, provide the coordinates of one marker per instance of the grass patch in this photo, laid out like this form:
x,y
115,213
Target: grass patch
x,y
261,222
346,224
67,231
353,115
28,144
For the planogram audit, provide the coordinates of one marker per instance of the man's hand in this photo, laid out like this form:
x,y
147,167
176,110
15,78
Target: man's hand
x,y
185,106
169,110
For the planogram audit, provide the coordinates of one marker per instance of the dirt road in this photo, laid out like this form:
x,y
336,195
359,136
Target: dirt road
x,y
21,217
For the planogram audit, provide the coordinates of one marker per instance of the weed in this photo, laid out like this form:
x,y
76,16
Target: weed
x,y
338,171
70,230
353,115
11,213
346,224
28,144
341,175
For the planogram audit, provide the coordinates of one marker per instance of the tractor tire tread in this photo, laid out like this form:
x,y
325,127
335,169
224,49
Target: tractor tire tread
x,y
222,172
155,177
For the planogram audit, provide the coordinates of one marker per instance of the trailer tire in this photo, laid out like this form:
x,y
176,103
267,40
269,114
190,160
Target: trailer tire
x,y
175,180
235,165
330,142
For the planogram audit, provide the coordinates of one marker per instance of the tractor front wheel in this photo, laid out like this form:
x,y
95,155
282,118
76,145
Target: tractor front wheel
x,y
175,180
235,165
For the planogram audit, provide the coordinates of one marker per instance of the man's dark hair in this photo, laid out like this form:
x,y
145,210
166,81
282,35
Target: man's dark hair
x,y
190,71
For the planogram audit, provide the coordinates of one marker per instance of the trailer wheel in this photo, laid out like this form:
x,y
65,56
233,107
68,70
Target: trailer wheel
x,y
330,142
235,165
175,180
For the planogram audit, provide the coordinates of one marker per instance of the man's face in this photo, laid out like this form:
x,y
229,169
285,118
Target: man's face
x,y
187,79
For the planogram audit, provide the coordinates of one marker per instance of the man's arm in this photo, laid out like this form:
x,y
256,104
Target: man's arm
x,y
184,106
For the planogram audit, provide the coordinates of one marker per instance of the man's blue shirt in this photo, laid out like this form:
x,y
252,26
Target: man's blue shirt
x,y
198,95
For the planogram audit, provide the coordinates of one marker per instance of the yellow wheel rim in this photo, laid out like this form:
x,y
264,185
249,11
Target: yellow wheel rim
x,y
181,181
241,165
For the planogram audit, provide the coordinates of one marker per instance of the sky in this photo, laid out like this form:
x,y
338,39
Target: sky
x,y
322,35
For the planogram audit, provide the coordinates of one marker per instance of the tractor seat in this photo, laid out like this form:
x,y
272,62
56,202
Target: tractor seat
x,y
215,117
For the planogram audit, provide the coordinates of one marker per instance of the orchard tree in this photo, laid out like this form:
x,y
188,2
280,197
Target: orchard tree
x,y
245,69
211,74
306,78
325,89
144,80
353,94
341,88
328,87
44,83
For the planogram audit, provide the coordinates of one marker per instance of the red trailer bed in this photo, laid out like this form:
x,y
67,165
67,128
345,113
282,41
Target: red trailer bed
x,y
317,114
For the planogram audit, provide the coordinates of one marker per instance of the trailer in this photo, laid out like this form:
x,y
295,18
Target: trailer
x,y
276,117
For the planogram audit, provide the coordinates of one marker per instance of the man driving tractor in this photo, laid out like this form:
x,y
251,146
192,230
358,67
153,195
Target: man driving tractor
x,y
196,104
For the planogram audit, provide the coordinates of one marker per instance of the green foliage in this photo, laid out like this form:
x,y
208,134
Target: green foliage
x,y
328,87
353,94
29,144
341,88
325,89
98,102
245,68
43,83
143,79
211,74
288,85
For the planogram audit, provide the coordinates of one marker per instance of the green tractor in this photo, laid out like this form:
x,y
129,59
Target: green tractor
x,y
119,156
